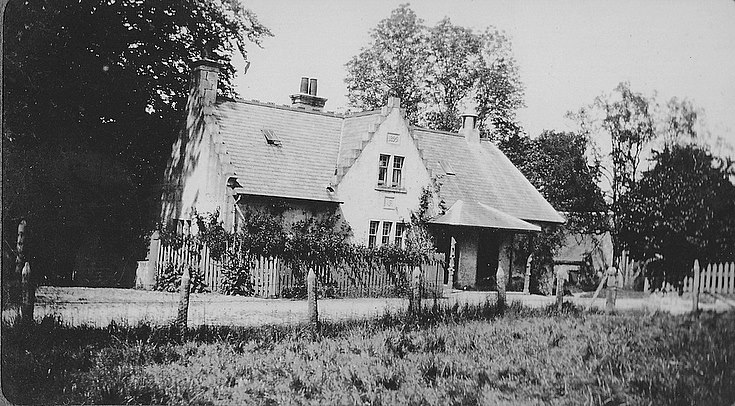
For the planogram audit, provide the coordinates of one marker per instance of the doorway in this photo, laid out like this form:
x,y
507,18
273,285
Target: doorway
x,y
487,260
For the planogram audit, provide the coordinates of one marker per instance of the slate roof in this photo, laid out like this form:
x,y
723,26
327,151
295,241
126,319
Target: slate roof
x,y
477,214
493,193
483,175
301,167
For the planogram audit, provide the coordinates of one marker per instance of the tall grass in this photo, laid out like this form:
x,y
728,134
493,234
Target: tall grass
x,y
447,355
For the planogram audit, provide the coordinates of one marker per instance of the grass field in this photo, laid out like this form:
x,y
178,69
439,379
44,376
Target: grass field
x,y
458,355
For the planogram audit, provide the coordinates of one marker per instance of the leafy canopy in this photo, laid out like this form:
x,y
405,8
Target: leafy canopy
x,y
94,93
438,72
682,209
556,164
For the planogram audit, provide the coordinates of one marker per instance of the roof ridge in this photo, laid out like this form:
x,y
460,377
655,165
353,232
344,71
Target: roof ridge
x,y
362,113
282,107
456,134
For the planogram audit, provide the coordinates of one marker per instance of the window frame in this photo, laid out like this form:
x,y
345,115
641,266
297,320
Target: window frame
x,y
373,234
391,166
386,232
383,169
397,170
399,235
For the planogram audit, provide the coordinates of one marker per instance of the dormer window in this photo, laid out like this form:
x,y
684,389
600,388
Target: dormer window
x,y
270,137
390,171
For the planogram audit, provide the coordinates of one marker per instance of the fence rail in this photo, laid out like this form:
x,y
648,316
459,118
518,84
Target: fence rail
x,y
272,277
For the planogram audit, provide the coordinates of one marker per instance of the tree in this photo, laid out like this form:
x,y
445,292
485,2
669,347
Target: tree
x,y
434,70
391,65
556,164
94,93
627,120
680,210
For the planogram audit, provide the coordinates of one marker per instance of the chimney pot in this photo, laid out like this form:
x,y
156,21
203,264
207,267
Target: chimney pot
x,y
469,127
307,96
304,88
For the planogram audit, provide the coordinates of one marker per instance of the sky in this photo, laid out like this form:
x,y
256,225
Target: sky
x,y
568,52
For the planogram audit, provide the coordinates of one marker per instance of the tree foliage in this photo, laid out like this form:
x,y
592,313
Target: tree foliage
x,y
391,65
438,72
626,120
682,209
556,164
94,92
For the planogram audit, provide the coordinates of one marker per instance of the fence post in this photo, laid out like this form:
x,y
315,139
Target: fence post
x,y
19,254
29,295
500,282
311,303
695,288
450,271
181,319
153,254
612,286
414,305
527,276
561,276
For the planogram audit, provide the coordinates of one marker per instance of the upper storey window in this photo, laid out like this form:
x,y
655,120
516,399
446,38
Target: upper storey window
x,y
390,171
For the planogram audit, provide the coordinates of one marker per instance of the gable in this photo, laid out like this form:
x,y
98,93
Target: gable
x,y
298,161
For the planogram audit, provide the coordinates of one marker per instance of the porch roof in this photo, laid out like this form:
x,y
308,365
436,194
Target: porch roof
x,y
476,214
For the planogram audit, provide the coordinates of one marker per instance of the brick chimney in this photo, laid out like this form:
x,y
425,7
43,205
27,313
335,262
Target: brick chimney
x,y
203,85
306,97
469,127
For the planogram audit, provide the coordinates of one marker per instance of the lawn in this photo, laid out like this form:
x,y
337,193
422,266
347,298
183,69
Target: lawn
x,y
457,355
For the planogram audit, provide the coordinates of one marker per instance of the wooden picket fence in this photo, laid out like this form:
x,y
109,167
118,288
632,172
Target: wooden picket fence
x,y
272,277
715,278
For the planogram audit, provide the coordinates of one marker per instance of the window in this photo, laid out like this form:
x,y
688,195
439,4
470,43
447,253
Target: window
x,y
400,228
385,240
373,235
387,234
395,163
270,137
397,170
383,170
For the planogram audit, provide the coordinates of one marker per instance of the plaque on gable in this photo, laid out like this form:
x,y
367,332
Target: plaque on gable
x,y
389,203
393,138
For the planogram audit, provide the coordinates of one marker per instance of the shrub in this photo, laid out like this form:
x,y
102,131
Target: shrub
x,y
235,278
169,279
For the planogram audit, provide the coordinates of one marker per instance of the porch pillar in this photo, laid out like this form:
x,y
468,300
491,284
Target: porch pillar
x,y
467,245
505,255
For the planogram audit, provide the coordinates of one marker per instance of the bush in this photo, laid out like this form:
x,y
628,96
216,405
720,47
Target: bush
x,y
235,278
169,279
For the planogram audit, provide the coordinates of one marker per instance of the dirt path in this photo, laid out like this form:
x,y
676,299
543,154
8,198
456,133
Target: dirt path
x,y
99,306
